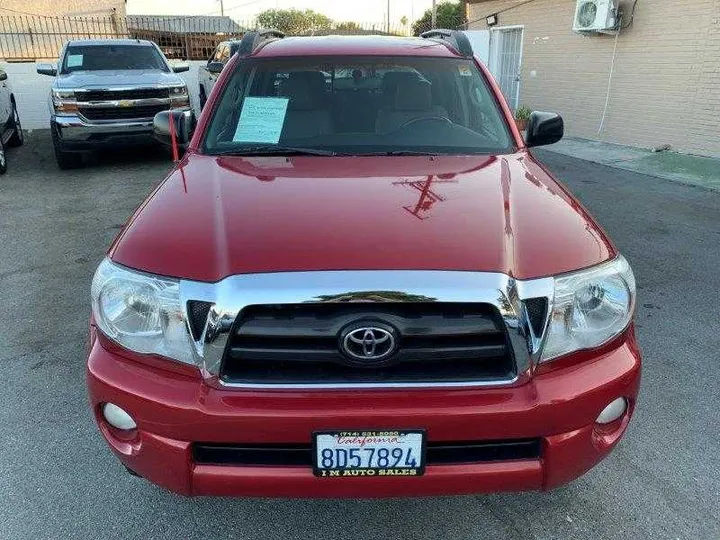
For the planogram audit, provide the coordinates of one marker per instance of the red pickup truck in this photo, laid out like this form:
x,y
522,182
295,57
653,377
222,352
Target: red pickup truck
x,y
359,282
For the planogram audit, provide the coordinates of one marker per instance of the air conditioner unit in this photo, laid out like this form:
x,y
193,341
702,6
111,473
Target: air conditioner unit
x,y
595,16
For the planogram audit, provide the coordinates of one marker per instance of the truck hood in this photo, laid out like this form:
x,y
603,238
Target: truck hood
x,y
218,216
115,78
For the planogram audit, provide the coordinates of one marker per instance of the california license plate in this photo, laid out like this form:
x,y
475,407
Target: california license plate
x,y
368,453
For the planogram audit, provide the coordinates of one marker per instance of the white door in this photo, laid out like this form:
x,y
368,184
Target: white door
x,y
505,61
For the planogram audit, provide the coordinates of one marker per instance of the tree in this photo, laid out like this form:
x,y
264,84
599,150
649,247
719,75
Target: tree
x,y
293,21
450,15
348,28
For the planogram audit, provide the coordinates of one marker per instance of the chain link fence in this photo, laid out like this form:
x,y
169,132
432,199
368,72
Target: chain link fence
x,y
28,38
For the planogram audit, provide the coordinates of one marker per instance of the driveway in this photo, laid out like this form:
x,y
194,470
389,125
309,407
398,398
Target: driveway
x,y
58,479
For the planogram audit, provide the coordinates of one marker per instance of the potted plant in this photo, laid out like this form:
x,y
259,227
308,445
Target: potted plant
x,y
522,115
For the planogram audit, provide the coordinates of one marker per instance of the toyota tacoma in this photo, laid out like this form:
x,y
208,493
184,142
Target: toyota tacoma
x,y
358,281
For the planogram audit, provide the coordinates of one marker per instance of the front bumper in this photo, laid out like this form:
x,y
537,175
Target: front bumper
x,y
173,410
75,133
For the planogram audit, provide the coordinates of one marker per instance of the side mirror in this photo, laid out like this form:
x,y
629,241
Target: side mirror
x,y
180,67
3,75
215,67
183,122
544,128
47,69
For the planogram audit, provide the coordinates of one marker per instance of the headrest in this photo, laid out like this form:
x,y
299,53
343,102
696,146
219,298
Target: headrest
x,y
298,91
314,79
393,78
413,95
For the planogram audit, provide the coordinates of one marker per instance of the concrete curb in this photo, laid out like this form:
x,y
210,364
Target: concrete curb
x,y
698,171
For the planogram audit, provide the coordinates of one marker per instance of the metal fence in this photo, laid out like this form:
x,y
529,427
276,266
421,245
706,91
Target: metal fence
x,y
28,38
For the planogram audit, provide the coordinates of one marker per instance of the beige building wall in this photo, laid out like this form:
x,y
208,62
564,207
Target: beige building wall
x,y
665,86
64,8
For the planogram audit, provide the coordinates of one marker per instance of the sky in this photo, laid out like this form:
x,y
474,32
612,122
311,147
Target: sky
x,y
367,11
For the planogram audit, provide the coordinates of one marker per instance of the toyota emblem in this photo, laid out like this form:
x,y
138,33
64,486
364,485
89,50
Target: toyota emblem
x,y
368,343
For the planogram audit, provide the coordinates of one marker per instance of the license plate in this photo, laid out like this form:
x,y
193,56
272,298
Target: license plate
x,y
368,453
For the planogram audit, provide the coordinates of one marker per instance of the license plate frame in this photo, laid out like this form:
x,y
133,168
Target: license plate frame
x,y
347,472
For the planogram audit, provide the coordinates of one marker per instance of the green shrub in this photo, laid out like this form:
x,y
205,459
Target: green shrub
x,y
523,113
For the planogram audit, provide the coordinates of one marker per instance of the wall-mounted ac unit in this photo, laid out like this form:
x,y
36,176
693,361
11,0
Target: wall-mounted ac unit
x,y
595,16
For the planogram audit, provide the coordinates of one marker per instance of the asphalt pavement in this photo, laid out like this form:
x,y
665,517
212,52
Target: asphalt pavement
x,y
59,480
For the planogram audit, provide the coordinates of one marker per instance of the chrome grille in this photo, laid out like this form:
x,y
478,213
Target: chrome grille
x,y
236,294
300,344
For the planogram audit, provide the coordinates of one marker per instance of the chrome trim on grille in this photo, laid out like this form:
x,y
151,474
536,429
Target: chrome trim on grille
x,y
231,295
123,103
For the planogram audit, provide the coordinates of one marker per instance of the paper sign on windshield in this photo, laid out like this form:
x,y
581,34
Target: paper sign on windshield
x,y
261,120
74,60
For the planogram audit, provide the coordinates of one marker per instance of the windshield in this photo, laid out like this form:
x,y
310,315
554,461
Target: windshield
x,y
366,105
101,57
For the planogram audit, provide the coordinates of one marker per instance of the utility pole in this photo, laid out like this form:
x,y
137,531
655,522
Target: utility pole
x,y
388,18
434,14
222,8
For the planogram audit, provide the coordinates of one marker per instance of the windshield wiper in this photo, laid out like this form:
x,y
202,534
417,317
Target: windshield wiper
x,y
271,150
399,153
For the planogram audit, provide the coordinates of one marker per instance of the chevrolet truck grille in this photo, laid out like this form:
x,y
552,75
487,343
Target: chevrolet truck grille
x,y
121,113
137,93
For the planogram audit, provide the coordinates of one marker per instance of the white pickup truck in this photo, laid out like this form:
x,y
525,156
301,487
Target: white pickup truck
x,y
209,73
106,93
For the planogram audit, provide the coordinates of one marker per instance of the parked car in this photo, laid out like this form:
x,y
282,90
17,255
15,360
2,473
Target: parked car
x,y
208,74
11,133
106,93
347,293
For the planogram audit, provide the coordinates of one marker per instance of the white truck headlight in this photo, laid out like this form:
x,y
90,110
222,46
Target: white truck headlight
x,y
63,94
179,96
141,312
64,101
590,307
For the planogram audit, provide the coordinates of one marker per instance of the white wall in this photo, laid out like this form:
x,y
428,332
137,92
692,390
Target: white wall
x,y
480,41
31,91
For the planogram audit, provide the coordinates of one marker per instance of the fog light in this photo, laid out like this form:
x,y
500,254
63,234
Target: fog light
x,y
117,417
613,411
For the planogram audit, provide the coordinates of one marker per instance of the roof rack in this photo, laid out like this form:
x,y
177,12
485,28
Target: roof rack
x,y
252,40
455,38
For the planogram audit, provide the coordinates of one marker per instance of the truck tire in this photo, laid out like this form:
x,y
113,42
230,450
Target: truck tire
x,y
65,160
3,158
18,138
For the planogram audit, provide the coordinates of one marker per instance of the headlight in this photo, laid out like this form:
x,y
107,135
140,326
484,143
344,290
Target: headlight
x,y
141,312
179,96
64,101
63,95
178,91
590,307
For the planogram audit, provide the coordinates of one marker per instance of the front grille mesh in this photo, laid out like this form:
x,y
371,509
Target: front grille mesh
x,y
300,344
197,315
139,93
537,310
121,113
